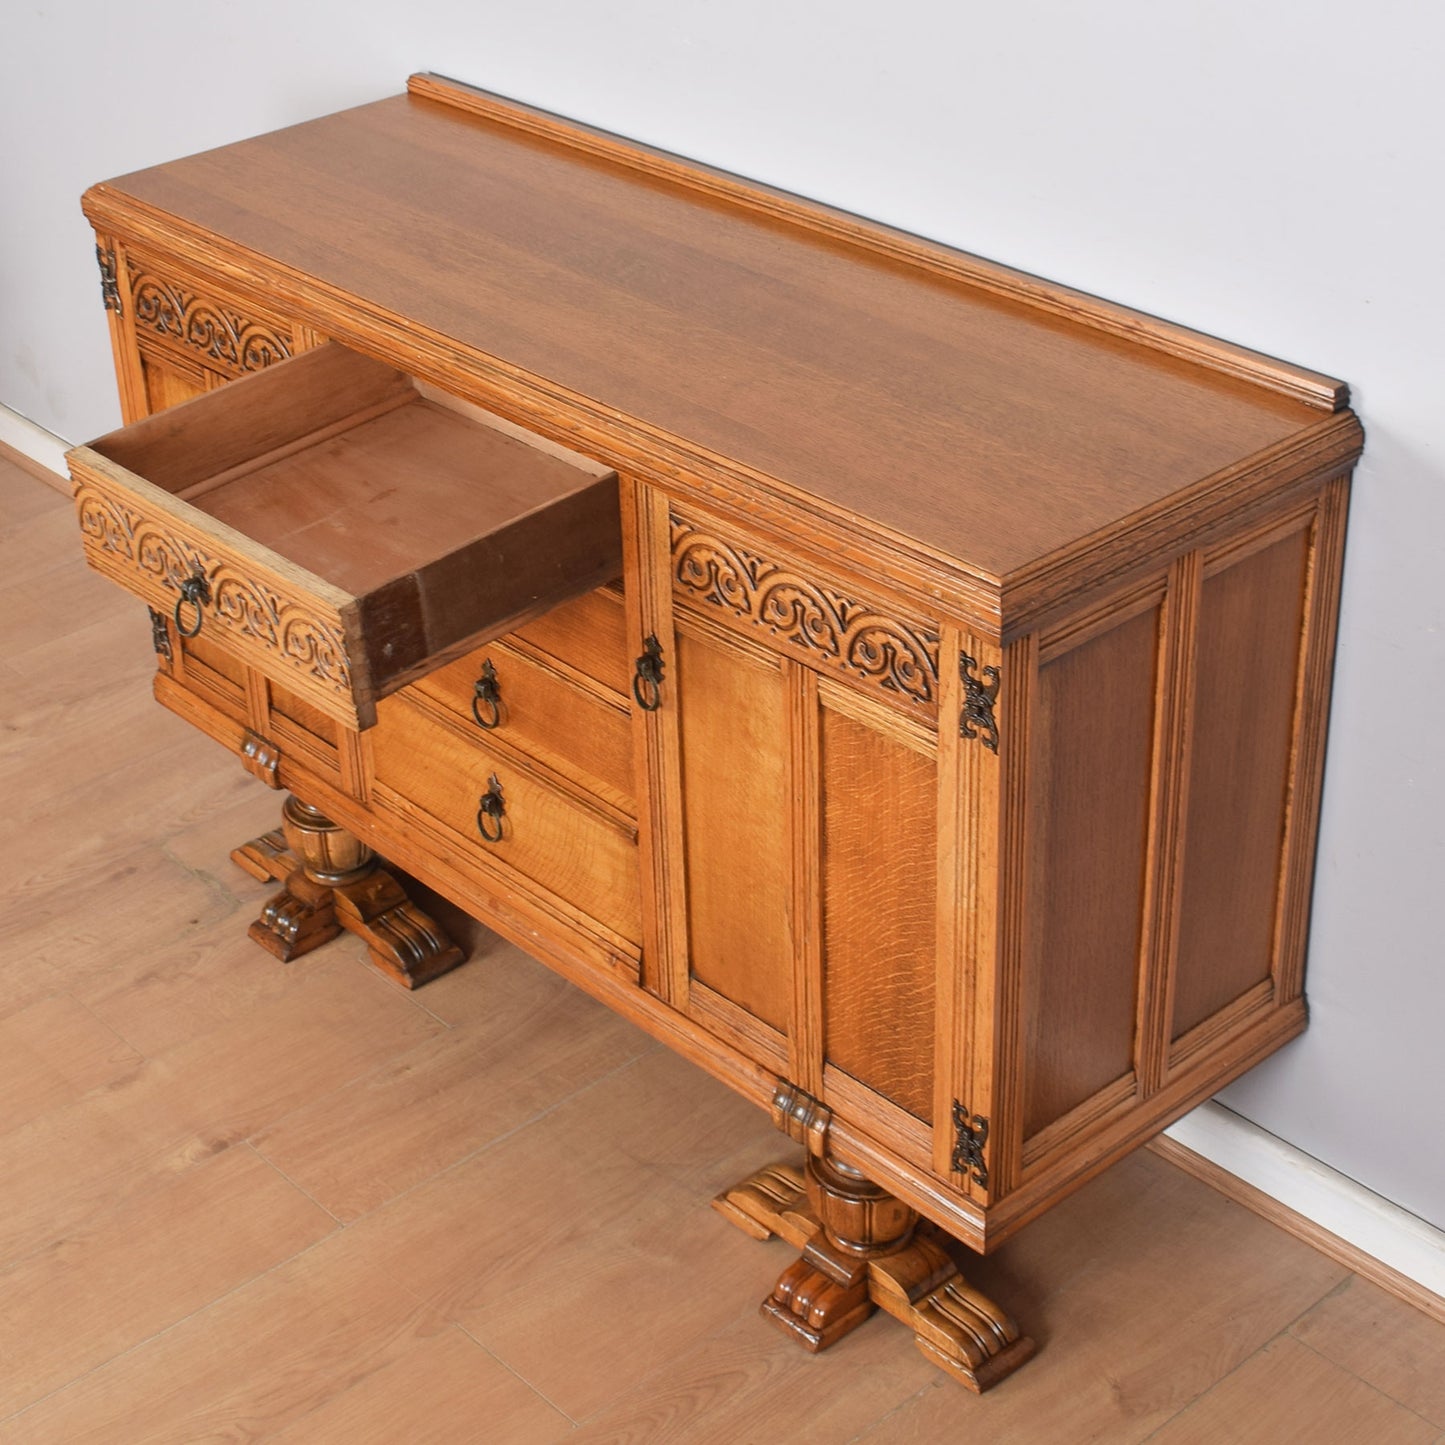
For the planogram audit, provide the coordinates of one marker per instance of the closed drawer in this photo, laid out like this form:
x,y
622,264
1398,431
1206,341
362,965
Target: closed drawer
x,y
213,675
338,526
577,853
507,695
589,634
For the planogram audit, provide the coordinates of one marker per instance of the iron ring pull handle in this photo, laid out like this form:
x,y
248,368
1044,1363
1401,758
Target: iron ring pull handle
x,y
487,693
647,676
197,591
490,811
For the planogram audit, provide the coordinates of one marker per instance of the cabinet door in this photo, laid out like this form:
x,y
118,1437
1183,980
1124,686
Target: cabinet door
x,y
800,873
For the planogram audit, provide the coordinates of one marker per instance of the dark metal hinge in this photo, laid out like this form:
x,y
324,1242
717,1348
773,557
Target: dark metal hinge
x,y
109,281
979,696
972,1132
160,633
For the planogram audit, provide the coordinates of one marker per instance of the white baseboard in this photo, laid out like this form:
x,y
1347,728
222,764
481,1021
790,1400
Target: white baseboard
x,y
1402,1242
33,441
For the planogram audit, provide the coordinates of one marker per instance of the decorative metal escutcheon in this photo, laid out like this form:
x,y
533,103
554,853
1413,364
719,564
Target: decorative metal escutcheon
x,y
197,591
490,811
647,679
487,694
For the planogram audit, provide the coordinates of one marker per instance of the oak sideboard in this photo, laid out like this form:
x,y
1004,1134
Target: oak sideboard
x,y
896,682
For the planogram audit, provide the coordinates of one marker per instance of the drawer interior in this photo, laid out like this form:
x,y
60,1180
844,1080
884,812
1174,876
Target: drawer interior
x,y
446,525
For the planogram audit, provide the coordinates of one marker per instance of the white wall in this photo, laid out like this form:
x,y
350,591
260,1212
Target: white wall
x,y
1269,172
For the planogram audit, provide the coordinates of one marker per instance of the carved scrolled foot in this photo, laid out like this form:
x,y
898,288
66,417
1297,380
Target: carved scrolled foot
x,y
820,1298
403,942
297,919
772,1201
334,882
266,857
955,1326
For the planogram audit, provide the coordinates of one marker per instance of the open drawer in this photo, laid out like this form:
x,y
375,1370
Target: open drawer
x,y
342,527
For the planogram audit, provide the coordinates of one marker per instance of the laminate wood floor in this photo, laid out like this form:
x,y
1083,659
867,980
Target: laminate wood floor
x,y
247,1201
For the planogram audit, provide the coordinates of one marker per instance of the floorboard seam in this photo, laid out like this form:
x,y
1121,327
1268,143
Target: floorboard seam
x,y
572,1421
1354,1375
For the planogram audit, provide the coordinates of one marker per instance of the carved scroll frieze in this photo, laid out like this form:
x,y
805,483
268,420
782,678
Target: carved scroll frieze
x,y
826,625
245,606
220,335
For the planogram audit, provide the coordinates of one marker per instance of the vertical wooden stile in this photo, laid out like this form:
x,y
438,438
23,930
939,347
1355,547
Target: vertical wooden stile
x,y
129,373
959,892
1307,750
1169,794
258,702
353,757
647,557
805,848
998,783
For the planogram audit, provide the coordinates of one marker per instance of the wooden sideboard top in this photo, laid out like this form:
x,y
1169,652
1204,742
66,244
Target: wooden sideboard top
x,y
982,415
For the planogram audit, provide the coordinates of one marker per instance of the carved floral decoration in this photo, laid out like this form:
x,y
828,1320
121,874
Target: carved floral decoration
x,y
223,337
854,636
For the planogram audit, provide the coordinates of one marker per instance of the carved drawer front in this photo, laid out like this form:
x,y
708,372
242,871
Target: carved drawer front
x,y
338,527
492,812
588,634
792,607
516,699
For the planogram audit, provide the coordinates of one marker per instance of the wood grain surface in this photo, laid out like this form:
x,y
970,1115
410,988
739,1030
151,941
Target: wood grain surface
x,y
970,421
879,849
1095,717
153,1063
1250,628
734,740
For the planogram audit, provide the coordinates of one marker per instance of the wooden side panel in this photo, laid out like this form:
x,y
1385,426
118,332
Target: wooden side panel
x,y
734,783
880,836
1251,616
168,384
1089,822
